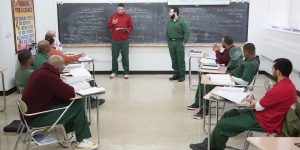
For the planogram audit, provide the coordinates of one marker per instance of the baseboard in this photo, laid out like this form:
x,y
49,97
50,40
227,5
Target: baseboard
x,y
12,90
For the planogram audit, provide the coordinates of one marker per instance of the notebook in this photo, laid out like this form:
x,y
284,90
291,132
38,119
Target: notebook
x,y
221,78
85,59
233,94
91,91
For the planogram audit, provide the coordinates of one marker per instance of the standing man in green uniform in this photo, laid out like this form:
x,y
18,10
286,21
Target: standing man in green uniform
x,y
41,56
120,24
177,35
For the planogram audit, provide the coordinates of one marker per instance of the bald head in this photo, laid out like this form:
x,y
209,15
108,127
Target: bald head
x,y
56,60
51,33
43,47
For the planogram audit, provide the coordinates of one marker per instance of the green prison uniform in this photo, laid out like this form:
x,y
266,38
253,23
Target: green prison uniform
x,y
232,123
236,58
246,70
39,59
74,119
117,46
22,75
177,35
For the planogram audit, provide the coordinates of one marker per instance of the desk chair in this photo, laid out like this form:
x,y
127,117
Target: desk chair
x,y
31,131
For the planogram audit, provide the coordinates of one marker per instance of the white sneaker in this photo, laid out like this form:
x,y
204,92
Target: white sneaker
x,y
71,138
126,76
112,76
86,144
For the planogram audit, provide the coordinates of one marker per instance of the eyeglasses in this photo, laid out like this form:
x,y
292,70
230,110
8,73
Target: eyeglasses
x,y
60,66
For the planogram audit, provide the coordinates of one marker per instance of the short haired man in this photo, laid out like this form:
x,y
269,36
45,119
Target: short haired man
x,y
53,51
177,35
56,43
22,74
120,24
46,90
41,56
266,115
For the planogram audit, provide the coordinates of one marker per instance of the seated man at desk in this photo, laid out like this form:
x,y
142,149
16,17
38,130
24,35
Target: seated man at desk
x,y
45,90
266,115
231,57
53,51
22,74
41,56
70,59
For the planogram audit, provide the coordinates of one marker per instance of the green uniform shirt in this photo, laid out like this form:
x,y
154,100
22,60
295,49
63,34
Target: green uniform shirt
x,y
39,59
236,58
247,70
22,75
177,30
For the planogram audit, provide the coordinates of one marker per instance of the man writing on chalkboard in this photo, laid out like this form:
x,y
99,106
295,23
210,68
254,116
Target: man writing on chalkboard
x,y
120,24
177,35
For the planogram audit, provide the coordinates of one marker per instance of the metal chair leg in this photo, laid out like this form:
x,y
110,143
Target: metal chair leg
x,y
19,138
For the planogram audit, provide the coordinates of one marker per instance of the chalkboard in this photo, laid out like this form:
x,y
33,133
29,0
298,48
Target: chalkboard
x,y
85,23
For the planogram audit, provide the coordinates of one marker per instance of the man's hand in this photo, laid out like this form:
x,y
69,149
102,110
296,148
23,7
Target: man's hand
x,y
82,54
115,21
216,47
251,103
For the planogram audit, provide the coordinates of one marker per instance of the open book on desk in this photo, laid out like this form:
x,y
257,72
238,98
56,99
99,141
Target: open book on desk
x,y
210,66
85,59
234,94
91,91
221,78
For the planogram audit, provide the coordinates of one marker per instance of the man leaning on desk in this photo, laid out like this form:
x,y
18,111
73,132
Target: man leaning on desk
x,y
266,115
45,90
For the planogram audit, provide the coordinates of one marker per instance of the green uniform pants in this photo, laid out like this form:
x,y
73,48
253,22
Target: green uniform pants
x,y
200,93
176,49
117,47
231,124
74,119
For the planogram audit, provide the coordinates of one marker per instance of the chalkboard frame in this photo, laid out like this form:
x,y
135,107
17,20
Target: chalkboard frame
x,y
149,44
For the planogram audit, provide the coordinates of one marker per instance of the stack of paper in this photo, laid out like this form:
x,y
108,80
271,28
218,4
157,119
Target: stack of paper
x,y
221,79
85,59
80,85
91,91
80,72
72,66
236,95
195,51
208,61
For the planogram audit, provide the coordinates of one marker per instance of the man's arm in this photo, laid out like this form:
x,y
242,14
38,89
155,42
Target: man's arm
x,y
186,31
239,81
110,25
130,27
60,89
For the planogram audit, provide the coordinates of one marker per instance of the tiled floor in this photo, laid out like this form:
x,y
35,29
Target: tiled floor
x,y
146,112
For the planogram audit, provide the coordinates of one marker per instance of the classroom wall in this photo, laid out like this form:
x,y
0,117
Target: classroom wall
x,y
8,59
270,43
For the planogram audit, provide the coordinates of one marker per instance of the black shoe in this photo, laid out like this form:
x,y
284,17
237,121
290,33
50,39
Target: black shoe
x,y
199,146
199,115
193,107
94,102
174,78
181,79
